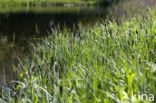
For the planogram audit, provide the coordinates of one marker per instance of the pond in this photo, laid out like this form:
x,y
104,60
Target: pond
x,y
19,26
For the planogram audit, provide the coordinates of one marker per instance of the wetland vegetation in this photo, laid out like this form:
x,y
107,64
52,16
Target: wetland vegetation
x,y
109,60
54,2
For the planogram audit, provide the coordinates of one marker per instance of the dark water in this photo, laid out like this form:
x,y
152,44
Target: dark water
x,y
18,26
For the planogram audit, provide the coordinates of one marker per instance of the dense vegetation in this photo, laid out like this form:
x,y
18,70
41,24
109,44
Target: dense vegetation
x,y
40,2
107,62
49,5
57,1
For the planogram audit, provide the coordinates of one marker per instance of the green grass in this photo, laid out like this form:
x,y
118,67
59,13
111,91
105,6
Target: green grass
x,y
104,63
44,1
7,6
51,9
38,2
55,1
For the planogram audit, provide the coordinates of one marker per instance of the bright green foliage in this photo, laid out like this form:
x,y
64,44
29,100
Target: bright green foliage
x,y
104,63
48,5
53,1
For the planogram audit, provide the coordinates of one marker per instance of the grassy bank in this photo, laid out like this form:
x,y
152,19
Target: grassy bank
x,y
40,2
11,6
51,9
54,1
107,62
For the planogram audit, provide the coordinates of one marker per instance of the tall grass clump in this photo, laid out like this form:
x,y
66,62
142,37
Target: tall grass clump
x,y
107,62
